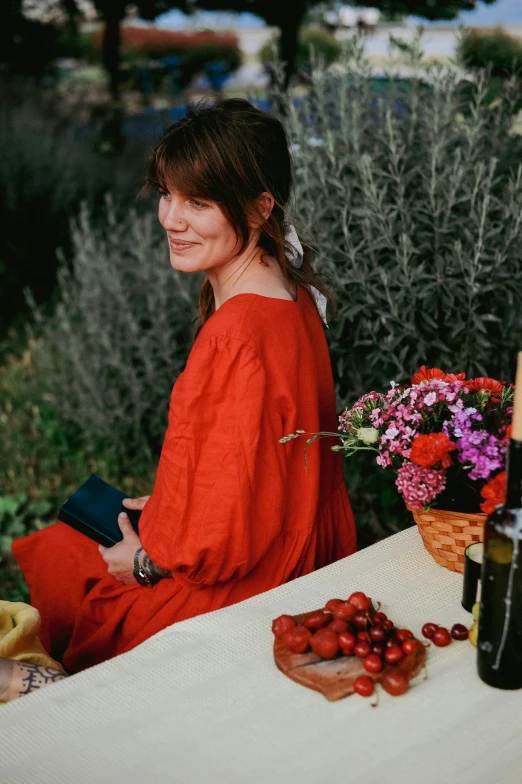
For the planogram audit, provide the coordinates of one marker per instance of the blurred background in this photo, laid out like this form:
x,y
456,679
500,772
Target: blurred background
x,y
404,118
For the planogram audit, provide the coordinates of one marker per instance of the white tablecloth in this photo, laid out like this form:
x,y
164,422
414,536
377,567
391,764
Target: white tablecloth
x,y
202,702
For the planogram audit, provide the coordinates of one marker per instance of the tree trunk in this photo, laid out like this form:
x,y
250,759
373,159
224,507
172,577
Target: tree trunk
x,y
289,27
111,139
113,13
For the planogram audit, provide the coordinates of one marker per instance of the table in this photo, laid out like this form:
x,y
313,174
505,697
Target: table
x,y
203,703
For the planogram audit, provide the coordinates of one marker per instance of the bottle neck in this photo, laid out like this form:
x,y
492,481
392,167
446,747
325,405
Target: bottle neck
x,y
514,473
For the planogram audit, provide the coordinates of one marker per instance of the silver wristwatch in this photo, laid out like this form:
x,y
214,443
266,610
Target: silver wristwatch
x,y
141,576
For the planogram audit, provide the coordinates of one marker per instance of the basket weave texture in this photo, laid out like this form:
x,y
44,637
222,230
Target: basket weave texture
x,y
447,534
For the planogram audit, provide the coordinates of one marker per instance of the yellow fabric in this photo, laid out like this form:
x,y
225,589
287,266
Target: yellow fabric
x,y
19,626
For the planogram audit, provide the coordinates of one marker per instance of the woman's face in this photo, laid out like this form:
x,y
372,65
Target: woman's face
x,y
200,237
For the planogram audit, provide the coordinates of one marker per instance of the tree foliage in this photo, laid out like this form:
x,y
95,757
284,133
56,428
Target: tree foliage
x,y
26,45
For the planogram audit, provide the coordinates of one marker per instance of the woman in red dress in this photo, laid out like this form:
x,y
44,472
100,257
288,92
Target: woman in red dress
x,y
233,511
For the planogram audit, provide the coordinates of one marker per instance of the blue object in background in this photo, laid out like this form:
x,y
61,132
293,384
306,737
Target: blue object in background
x,y
217,75
147,83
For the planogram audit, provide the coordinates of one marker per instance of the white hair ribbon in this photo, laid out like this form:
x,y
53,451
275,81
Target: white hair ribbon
x,y
294,254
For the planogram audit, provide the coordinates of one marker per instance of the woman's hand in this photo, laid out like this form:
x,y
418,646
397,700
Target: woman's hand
x,y
120,557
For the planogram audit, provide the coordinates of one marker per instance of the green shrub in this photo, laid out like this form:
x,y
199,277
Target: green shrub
x,y
496,50
323,43
41,457
44,175
413,203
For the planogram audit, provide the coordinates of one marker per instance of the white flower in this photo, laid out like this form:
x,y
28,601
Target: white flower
x,y
368,435
431,398
392,432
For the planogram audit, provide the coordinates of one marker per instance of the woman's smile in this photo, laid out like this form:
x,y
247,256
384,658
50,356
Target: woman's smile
x,y
179,245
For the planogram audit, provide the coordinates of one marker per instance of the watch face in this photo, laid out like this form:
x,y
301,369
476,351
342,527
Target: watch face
x,y
142,577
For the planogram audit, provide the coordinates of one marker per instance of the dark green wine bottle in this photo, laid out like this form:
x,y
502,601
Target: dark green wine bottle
x,y
499,652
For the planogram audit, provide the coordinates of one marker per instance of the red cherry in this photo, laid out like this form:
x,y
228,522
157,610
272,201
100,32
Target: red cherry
x,y
378,649
339,625
393,654
362,635
408,664
345,611
325,644
360,601
428,629
404,634
363,685
392,642
316,620
379,617
359,620
331,604
373,663
441,637
411,646
362,649
388,625
459,632
347,642
282,624
297,639
395,682
377,634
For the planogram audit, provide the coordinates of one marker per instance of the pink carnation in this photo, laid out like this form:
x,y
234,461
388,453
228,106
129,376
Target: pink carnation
x,y
418,485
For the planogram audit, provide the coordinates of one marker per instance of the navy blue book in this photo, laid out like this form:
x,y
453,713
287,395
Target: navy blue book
x,y
93,510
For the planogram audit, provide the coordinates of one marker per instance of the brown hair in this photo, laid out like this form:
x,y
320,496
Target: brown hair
x,y
230,152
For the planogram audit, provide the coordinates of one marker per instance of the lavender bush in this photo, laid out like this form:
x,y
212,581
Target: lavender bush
x,y
413,203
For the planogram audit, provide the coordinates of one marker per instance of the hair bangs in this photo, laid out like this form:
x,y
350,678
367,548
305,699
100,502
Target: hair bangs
x,y
182,163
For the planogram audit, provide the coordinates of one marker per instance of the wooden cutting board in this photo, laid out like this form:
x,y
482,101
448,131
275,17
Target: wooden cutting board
x,y
334,677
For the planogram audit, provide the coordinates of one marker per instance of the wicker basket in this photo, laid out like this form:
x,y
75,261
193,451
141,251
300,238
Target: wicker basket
x,y
447,534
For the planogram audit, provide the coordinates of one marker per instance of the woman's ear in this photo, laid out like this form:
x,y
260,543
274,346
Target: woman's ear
x,y
264,205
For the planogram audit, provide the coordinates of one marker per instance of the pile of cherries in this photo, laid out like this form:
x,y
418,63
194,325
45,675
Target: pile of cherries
x,y
353,628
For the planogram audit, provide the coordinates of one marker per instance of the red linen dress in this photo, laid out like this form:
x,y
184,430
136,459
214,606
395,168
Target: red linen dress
x,y
233,512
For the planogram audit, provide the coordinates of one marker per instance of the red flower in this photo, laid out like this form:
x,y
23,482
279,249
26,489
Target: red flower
x,y
487,385
494,493
428,374
427,450
507,435
454,377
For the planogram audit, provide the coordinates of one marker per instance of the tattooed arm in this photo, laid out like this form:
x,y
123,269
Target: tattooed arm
x,y
18,678
155,573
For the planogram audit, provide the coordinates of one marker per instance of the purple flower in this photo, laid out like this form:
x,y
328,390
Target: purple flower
x,y
461,422
481,453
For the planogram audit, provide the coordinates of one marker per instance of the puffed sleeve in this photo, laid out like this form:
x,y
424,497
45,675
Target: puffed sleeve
x,y
219,496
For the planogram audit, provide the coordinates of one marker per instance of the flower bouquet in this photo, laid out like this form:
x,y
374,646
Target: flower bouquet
x,y
446,439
